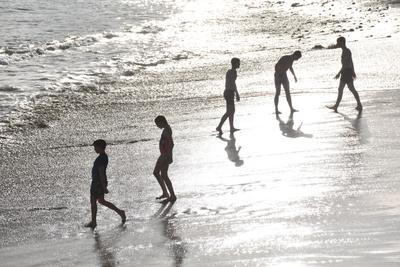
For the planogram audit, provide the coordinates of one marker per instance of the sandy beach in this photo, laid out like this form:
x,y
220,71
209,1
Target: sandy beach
x,y
316,189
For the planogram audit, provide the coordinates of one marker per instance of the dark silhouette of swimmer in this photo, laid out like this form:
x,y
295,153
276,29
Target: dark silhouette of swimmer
x,y
287,128
232,152
346,74
169,231
285,63
229,95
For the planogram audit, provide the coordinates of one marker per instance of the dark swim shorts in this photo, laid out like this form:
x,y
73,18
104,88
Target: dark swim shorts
x,y
96,189
229,96
346,75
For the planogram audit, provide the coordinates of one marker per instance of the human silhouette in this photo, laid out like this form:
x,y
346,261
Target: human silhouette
x,y
229,95
99,184
167,221
346,74
231,150
287,128
166,146
284,64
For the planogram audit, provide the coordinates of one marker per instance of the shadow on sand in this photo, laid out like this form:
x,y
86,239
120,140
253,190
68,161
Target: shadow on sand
x,y
231,151
105,246
287,128
168,222
359,125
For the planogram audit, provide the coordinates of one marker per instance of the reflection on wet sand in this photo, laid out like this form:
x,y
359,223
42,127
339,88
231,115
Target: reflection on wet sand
x,y
287,128
359,126
105,247
232,152
168,223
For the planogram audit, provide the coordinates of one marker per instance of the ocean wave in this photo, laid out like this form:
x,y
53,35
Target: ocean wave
x,y
150,29
72,41
8,88
149,64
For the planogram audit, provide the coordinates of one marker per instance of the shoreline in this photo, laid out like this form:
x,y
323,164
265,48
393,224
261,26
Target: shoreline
x,y
318,190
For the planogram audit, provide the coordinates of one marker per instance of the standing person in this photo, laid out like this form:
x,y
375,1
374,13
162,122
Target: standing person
x,y
99,184
285,63
346,74
164,160
229,95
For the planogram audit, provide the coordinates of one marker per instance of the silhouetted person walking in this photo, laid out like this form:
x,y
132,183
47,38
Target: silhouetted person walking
x,y
99,184
229,95
346,74
164,160
285,63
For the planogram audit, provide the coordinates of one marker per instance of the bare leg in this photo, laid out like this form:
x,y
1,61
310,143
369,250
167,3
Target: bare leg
x,y
164,175
286,86
156,173
223,119
356,96
339,97
277,93
231,112
111,206
93,207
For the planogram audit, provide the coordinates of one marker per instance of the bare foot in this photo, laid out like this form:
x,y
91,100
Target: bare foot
x,y
162,196
218,129
359,108
332,107
277,112
123,217
293,110
172,199
234,130
91,225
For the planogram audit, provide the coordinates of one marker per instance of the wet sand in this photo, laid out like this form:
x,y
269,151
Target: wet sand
x,y
320,189
323,195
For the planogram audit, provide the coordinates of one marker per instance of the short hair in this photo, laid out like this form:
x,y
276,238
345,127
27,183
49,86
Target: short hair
x,y
297,54
341,39
160,119
235,61
100,143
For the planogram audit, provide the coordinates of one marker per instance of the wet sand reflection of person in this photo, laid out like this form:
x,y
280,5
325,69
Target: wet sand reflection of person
x,y
287,128
105,247
168,223
232,152
359,126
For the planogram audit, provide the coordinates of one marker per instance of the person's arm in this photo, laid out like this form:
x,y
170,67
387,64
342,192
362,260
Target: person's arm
x,y
338,75
237,95
352,67
102,176
294,75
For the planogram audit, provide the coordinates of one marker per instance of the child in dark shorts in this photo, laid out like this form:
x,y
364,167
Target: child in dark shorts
x,y
99,183
166,146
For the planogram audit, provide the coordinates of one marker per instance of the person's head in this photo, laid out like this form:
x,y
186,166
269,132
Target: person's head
x,y
235,63
161,121
99,145
297,55
341,42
